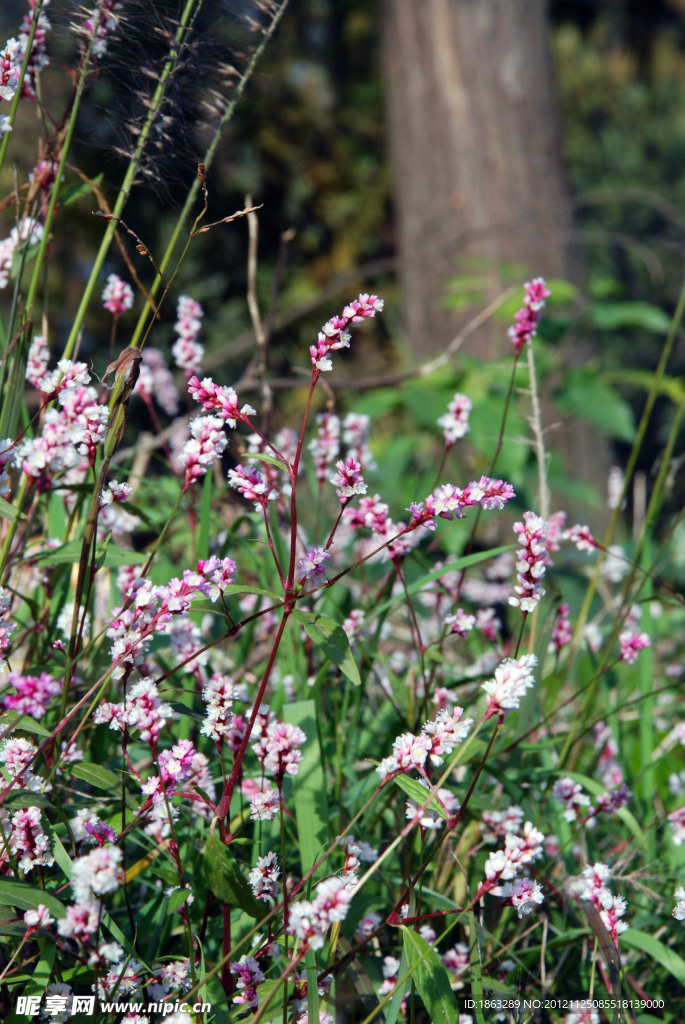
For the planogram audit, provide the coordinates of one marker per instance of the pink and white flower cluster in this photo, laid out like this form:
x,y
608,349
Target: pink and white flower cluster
x,y
150,609
222,400
309,921
33,693
38,58
26,235
348,481
106,25
335,334
310,566
10,68
17,754
218,695
155,380
264,877
277,748
38,360
562,632
632,643
117,296
437,738
591,887
513,679
526,319
253,486
503,866
455,422
143,710
187,351
531,564
356,437
249,977
27,840
204,447
326,445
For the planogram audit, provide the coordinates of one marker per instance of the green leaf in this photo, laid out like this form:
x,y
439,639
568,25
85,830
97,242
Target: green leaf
x,y
177,899
58,852
23,798
393,1008
205,512
116,933
97,776
309,786
238,588
431,979
664,955
418,793
613,316
332,639
227,881
585,396
183,709
114,556
263,457
74,192
430,577
8,511
28,724
27,897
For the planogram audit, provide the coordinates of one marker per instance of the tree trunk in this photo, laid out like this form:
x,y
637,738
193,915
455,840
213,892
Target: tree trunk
x,y
479,177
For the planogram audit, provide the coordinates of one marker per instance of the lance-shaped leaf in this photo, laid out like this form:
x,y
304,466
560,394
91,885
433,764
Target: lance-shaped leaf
x,y
419,794
227,881
8,511
431,979
332,639
28,897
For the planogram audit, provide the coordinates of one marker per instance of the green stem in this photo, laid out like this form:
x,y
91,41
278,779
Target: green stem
x,y
208,159
22,75
637,445
155,105
71,125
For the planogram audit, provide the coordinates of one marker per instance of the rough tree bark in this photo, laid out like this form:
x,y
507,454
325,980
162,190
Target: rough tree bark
x,y
478,172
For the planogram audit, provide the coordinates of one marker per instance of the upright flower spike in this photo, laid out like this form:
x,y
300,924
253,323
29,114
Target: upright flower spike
x,y
38,360
187,351
631,645
117,296
348,481
561,631
455,422
326,445
38,58
222,400
10,69
205,446
512,681
531,564
335,334
526,319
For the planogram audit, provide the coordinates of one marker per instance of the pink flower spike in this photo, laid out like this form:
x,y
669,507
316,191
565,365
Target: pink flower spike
x,y
223,400
526,319
455,422
310,566
632,644
561,632
117,296
581,537
348,480
335,335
